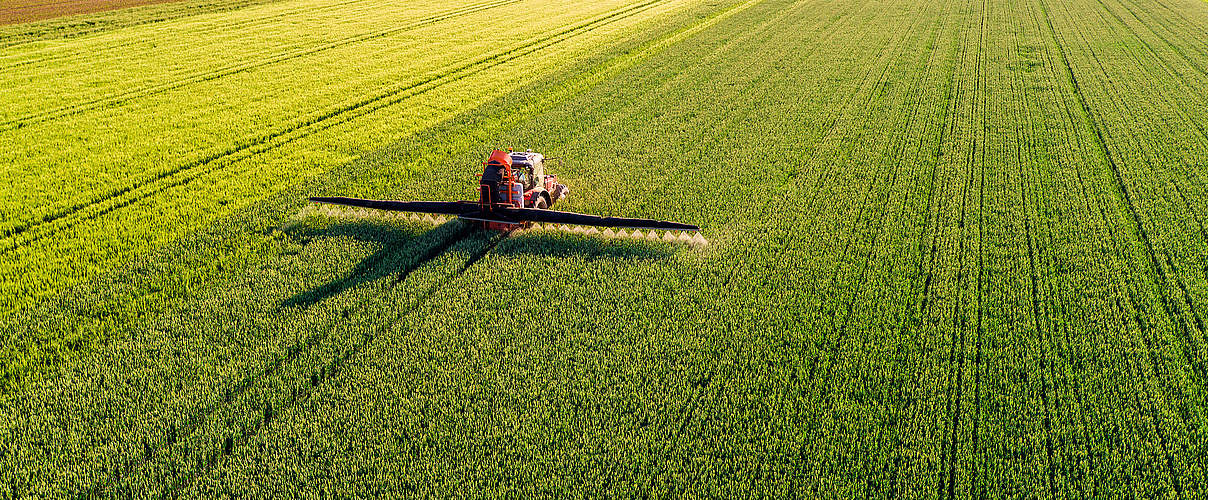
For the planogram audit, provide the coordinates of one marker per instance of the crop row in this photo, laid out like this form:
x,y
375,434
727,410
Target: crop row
x,y
661,358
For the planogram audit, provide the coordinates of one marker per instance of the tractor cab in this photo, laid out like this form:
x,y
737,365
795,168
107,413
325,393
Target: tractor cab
x,y
528,168
518,179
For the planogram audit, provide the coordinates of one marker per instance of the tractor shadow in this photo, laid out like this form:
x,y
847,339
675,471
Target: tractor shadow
x,y
401,251
404,250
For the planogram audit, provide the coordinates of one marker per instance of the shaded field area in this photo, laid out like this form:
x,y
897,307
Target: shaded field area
x,y
956,249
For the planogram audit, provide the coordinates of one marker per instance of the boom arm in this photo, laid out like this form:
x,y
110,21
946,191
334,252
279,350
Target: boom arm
x,y
424,207
514,215
471,211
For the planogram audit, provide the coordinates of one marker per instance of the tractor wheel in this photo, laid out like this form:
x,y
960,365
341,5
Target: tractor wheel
x,y
541,204
558,194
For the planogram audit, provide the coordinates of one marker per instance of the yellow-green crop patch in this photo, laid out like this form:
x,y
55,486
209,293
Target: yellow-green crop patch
x,y
956,249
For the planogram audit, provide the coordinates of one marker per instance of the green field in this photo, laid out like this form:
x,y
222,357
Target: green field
x,y
956,249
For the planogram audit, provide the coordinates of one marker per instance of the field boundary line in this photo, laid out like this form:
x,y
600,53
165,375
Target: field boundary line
x,y
79,25
227,28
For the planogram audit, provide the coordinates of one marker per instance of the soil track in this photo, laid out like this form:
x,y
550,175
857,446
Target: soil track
x,y
24,11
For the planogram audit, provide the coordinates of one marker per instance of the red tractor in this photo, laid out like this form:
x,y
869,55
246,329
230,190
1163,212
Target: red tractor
x,y
518,180
513,193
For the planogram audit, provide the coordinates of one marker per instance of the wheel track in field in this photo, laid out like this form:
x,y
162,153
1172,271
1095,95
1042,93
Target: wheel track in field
x,y
954,87
701,384
868,84
1187,23
895,150
1071,123
1121,190
941,139
978,108
869,87
1187,338
190,171
957,353
608,67
1175,106
1182,326
1171,72
978,365
1020,85
232,69
1171,274
831,126
1043,334
120,44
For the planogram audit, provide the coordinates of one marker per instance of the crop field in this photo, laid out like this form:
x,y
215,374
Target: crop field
x,y
955,249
